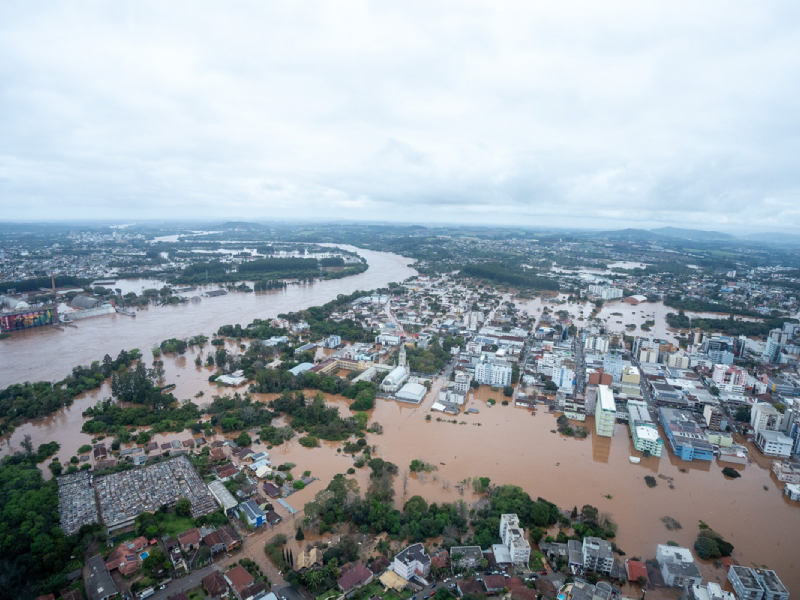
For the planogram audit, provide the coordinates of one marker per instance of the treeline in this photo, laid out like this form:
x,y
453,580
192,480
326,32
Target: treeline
x,y
336,261
33,285
697,305
262,285
31,400
499,274
315,417
279,265
237,412
137,386
727,326
419,520
110,418
35,555
347,271
430,360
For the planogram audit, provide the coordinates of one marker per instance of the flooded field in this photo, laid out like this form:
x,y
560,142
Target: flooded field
x,y
49,354
616,314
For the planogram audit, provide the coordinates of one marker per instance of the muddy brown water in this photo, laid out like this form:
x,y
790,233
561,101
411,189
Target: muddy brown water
x,y
47,354
510,445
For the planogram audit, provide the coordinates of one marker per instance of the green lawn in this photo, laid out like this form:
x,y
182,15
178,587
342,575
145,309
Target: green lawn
x,y
330,594
537,562
172,524
196,595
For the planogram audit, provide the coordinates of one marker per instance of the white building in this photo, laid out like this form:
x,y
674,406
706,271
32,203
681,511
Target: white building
x,y
677,566
493,373
597,343
709,591
792,490
514,539
765,417
386,339
332,341
412,562
729,378
462,382
678,360
597,555
606,412
774,443
648,355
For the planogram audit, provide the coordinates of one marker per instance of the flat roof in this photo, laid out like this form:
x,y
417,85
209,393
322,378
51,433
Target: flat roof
x,y
606,398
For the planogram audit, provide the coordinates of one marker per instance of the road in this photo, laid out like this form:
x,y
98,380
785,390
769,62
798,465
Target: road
x,y
184,584
253,548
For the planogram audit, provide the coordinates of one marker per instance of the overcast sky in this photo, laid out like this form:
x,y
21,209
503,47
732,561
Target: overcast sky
x,y
591,114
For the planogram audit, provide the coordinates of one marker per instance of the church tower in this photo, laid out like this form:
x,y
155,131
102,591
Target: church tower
x,y
401,360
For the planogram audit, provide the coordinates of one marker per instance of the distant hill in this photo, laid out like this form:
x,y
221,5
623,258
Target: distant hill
x,y
696,235
628,234
781,239
242,225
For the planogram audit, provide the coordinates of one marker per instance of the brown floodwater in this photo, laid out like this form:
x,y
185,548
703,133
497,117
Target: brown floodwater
x,y
506,443
616,314
43,354
513,446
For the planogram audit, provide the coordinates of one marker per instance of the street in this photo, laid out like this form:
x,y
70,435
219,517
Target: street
x,y
184,584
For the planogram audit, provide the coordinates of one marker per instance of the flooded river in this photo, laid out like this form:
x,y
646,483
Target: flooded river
x,y
505,443
49,354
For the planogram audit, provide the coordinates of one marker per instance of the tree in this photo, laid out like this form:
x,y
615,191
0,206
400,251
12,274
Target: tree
x,y
27,444
508,391
550,386
589,513
299,536
244,439
155,561
706,548
183,507
443,593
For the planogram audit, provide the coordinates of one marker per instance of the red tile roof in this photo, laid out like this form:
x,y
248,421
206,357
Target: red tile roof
x,y
635,569
358,575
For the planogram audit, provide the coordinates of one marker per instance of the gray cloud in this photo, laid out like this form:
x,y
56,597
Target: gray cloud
x,y
584,113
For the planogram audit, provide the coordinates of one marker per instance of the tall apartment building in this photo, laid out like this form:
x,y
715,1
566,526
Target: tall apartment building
x,y
765,417
772,351
648,355
729,378
757,584
612,364
678,360
493,373
597,343
514,539
462,383
605,412
715,419
643,430
597,555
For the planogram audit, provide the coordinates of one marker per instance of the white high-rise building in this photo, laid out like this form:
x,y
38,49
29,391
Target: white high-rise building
x,y
495,374
729,378
765,417
606,412
514,539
